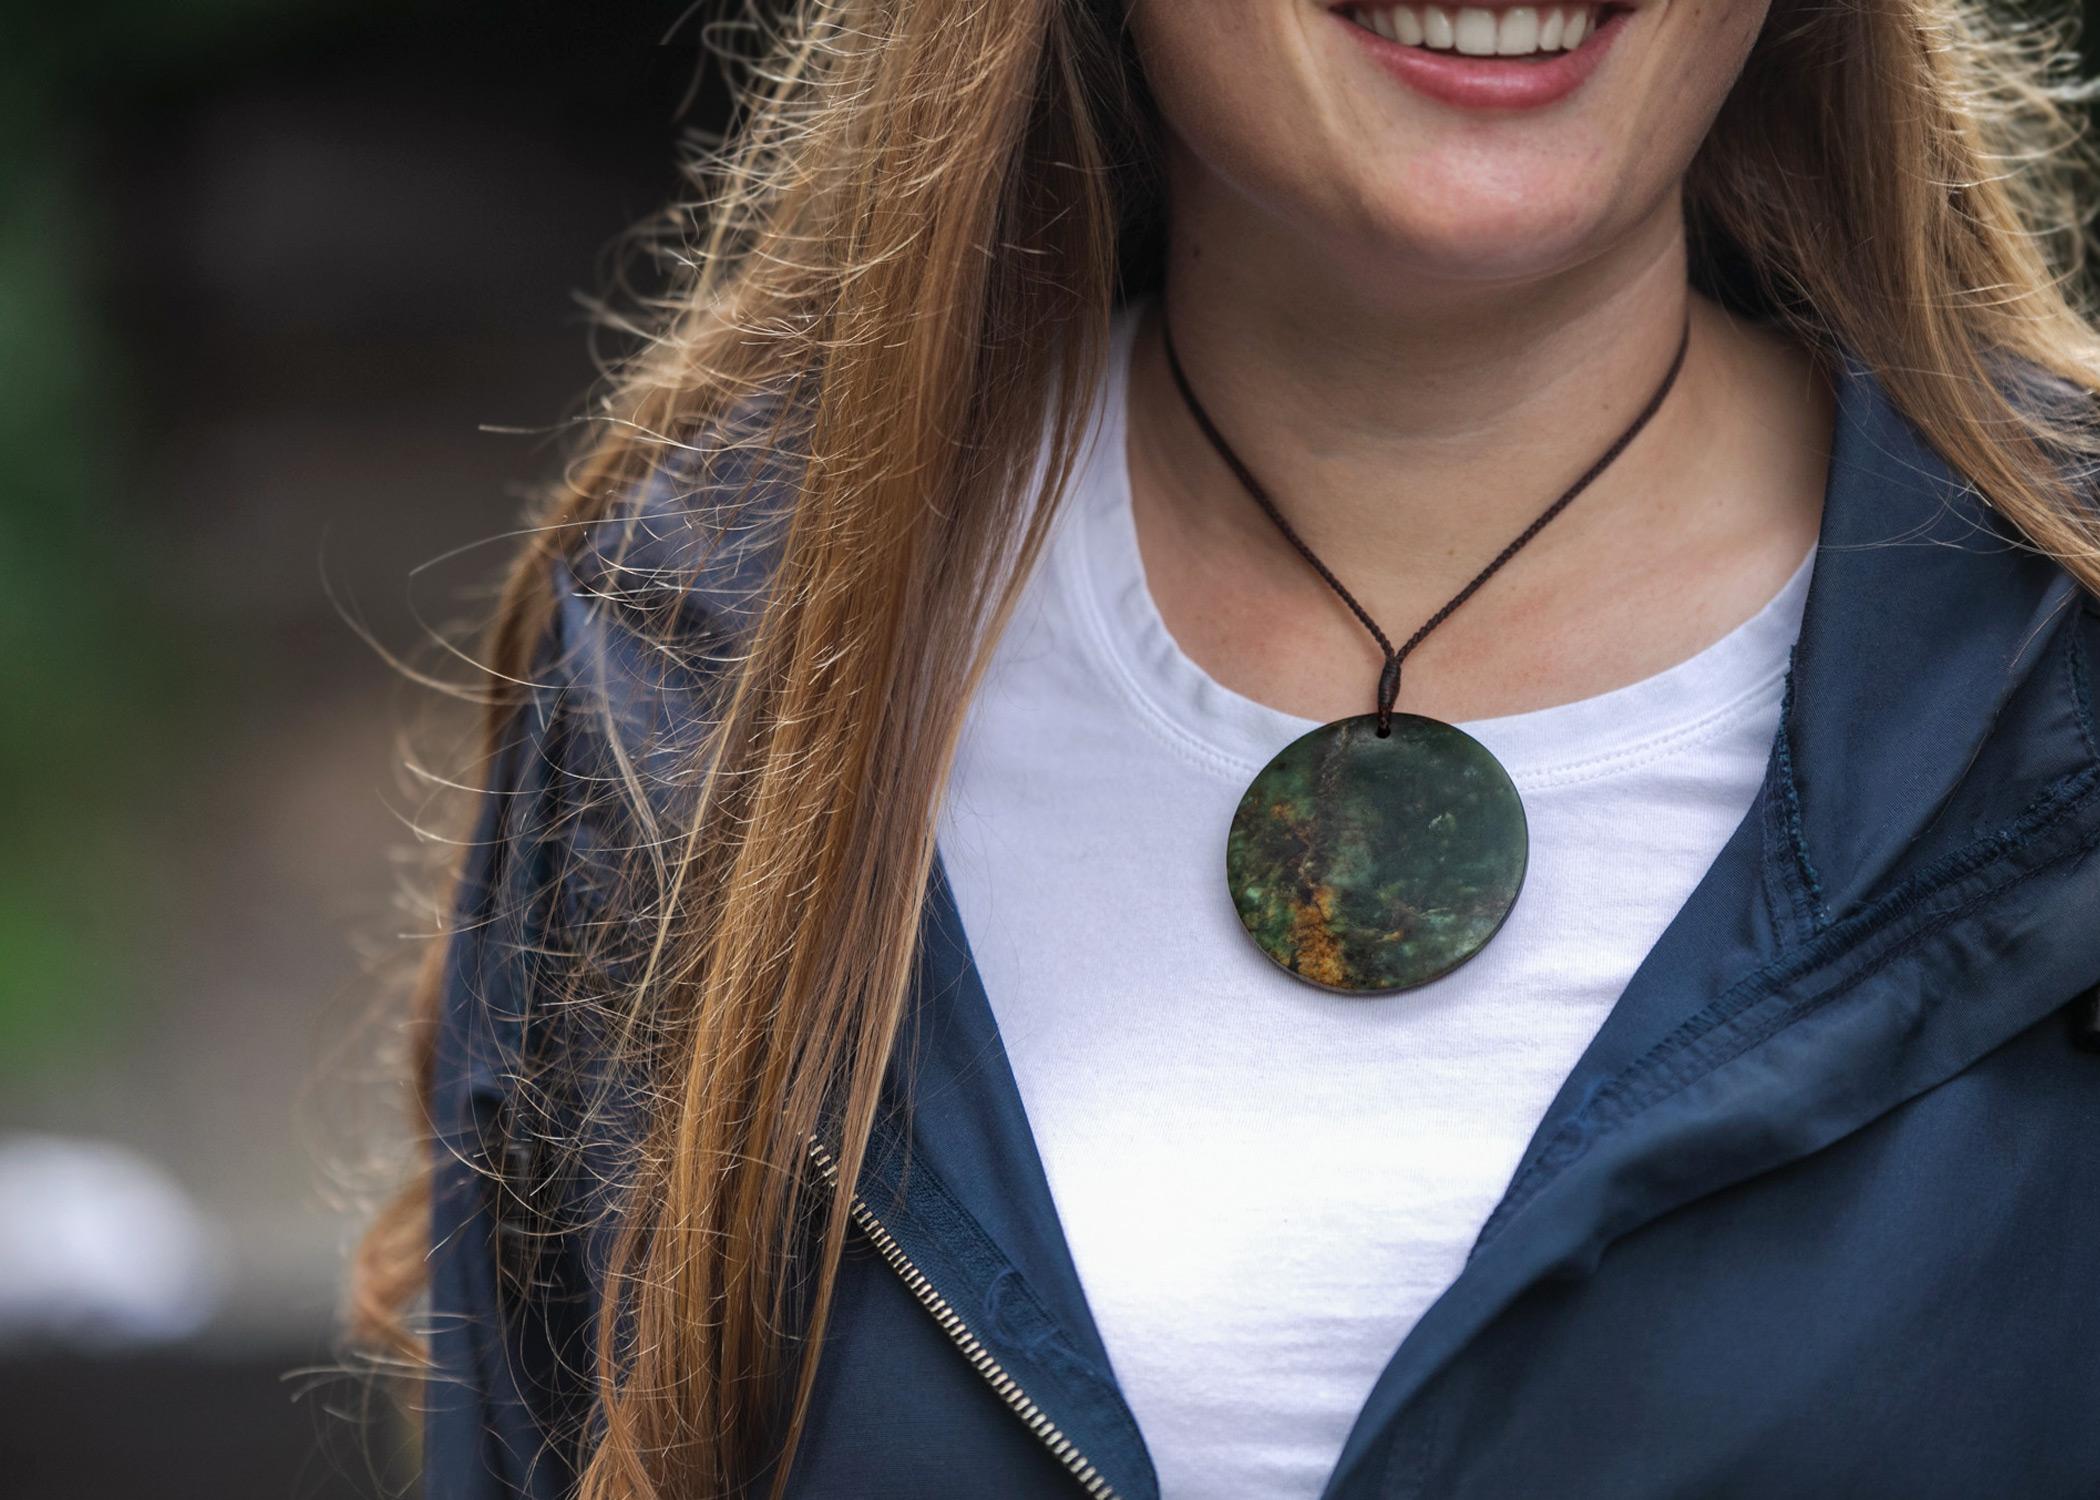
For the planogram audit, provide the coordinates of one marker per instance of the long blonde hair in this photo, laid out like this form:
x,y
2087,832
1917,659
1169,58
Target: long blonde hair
x,y
911,246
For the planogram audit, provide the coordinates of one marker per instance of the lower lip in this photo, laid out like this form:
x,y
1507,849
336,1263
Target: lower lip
x,y
1470,82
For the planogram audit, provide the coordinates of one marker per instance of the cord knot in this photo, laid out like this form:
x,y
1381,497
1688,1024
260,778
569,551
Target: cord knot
x,y
1388,690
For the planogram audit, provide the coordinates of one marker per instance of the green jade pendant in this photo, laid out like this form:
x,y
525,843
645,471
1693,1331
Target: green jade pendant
x,y
1366,864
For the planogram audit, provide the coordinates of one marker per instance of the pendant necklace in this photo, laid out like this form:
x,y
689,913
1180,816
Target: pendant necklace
x,y
1380,851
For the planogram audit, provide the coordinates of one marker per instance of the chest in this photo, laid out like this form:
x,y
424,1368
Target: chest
x,y
1263,1184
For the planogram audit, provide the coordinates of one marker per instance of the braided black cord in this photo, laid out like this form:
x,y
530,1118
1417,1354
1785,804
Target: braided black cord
x,y
1389,676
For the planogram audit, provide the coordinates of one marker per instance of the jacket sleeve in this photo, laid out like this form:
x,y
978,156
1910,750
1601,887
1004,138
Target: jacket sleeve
x,y
648,613
502,1404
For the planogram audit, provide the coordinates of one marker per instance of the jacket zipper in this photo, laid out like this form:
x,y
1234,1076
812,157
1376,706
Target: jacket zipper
x,y
981,1360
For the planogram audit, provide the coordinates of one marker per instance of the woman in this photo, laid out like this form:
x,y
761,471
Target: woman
x,y
854,1071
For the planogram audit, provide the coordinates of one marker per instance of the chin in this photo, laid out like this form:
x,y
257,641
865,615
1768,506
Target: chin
x,y
1491,239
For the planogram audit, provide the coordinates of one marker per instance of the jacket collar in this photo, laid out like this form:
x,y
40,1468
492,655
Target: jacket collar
x,y
1924,615
1927,611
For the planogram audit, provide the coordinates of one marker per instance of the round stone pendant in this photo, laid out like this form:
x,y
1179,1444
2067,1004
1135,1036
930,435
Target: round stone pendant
x,y
1364,864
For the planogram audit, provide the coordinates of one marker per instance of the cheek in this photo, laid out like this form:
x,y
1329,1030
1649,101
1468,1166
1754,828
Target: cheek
x,y
1271,99
1238,84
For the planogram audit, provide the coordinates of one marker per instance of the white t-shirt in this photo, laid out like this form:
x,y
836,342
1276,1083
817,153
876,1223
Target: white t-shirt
x,y
1264,1183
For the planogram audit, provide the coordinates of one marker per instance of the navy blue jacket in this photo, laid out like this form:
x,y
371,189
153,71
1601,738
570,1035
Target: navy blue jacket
x,y
1816,1214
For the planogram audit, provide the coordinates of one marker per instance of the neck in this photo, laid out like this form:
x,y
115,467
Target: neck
x,y
1383,413
1409,428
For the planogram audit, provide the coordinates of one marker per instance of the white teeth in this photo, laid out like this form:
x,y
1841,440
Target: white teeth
x,y
1519,31
1475,29
1512,31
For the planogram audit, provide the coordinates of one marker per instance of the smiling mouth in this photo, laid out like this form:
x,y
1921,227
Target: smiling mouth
x,y
1517,33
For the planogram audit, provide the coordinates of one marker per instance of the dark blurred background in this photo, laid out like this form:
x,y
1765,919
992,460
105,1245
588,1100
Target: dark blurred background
x,y
267,272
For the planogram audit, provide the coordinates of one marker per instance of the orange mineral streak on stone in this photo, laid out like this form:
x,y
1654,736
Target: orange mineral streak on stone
x,y
1315,952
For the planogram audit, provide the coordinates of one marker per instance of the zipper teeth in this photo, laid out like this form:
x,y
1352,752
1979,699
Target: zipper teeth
x,y
951,1323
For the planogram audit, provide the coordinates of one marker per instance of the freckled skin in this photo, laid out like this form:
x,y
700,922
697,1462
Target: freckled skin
x,y
1367,865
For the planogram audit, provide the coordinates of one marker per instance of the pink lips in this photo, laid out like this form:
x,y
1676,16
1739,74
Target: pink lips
x,y
1470,82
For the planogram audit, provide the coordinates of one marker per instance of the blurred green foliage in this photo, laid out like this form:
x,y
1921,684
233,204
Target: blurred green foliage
x,y
94,681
